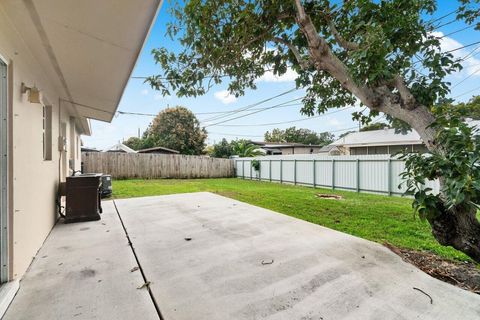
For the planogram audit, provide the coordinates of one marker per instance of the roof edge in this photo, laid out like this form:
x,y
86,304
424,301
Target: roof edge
x,y
145,38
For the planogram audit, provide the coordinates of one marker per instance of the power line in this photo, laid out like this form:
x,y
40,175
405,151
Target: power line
x,y
254,105
235,135
249,107
261,109
248,114
466,78
205,77
446,23
137,113
200,113
444,16
254,136
457,31
463,47
167,78
471,54
453,50
284,122
467,92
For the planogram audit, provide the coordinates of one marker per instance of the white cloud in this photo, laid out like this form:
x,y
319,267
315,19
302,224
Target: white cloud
x,y
144,92
289,76
334,122
470,66
225,97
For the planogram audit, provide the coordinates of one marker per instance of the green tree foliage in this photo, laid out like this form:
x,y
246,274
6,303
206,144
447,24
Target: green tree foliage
x,y
375,126
470,109
299,135
345,134
223,149
134,143
360,51
457,166
176,128
244,148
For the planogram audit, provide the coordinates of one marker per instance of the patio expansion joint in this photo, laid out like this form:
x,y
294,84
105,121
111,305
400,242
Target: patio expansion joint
x,y
145,279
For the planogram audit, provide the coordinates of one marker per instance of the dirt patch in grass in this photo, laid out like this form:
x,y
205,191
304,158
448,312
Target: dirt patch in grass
x,y
465,275
329,196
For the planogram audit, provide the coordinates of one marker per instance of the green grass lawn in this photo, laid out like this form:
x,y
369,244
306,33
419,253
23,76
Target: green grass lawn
x,y
373,217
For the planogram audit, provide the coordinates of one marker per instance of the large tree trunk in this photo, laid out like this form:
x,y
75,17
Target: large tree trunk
x,y
456,227
460,229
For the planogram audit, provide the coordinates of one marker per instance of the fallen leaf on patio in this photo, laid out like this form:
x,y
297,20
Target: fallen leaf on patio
x,y
270,261
145,285
134,269
188,239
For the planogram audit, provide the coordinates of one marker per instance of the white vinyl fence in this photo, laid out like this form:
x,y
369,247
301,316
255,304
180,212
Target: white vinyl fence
x,y
369,173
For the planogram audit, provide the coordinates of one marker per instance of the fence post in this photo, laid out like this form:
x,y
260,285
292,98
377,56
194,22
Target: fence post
x,y
295,172
314,174
270,170
243,169
281,171
251,177
260,171
333,174
358,175
389,164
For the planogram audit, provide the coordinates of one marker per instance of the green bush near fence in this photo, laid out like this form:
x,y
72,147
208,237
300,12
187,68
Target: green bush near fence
x,y
373,217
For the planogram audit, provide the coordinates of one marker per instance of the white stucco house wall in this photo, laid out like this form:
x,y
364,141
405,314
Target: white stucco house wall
x,y
79,54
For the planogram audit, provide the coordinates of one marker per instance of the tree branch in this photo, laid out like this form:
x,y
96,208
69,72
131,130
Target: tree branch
x,y
347,45
408,99
324,59
378,98
300,10
304,64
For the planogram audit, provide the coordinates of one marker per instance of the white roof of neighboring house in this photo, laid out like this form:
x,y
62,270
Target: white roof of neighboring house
x,y
157,149
381,137
327,148
384,137
262,144
120,147
474,123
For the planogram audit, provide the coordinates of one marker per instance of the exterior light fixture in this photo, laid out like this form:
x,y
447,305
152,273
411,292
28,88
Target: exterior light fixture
x,y
33,93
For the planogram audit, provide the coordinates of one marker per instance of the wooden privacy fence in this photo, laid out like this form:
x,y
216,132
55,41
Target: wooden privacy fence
x,y
371,173
151,166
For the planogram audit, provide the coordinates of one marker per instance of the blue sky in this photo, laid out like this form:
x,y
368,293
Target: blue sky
x,y
139,97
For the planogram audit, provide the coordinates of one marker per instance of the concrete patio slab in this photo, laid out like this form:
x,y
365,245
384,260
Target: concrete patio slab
x,y
83,271
210,257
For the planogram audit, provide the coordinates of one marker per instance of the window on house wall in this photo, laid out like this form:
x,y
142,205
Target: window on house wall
x,y
399,148
378,150
47,132
420,148
358,151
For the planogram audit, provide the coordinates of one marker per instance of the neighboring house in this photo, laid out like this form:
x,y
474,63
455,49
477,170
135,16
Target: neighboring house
x,y
283,148
384,141
329,150
86,149
61,63
120,147
160,150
